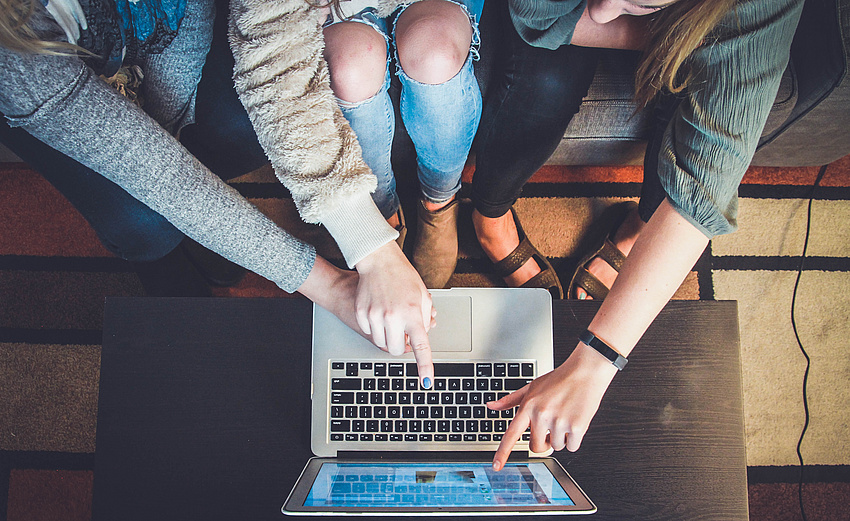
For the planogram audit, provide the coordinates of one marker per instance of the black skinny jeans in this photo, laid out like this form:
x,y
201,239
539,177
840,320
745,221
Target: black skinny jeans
x,y
534,95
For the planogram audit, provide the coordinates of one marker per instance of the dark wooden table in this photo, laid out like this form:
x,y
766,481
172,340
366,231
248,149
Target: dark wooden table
x,y
204,412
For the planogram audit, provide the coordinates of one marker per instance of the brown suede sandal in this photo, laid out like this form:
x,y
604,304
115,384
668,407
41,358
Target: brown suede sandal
x,y
547,278
603,248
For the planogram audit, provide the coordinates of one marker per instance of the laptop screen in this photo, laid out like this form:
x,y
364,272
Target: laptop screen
x,y
446,485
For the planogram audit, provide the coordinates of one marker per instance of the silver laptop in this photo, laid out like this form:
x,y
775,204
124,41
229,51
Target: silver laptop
x,y
386,446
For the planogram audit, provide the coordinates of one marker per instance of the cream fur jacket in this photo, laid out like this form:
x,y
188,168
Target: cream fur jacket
x,y
283,82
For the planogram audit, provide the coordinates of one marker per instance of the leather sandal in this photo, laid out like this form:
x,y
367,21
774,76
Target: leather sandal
x,y
547,278
604,248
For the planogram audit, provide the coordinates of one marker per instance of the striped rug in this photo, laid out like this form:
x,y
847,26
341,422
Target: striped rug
x,y
54,275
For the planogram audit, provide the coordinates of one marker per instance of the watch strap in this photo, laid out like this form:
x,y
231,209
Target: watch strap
x,y
604,349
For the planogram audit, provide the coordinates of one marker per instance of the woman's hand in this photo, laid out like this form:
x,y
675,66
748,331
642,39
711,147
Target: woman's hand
x,y
558,406
394,308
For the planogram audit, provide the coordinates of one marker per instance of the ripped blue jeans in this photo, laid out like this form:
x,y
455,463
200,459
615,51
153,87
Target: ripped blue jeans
x,y
441,120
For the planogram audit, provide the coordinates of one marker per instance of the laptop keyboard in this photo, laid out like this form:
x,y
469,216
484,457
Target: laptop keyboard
x,y
384,402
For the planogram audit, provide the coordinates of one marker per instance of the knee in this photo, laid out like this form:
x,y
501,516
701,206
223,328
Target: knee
x,y
357,58
433,39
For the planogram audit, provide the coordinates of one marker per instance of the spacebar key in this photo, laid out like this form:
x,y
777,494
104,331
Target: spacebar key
x,y
512,384
454,369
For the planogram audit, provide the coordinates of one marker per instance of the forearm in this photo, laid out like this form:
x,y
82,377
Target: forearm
x,y
283,82
47,96
663,255
624,32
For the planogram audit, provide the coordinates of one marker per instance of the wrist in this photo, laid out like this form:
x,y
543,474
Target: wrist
x,y
378,259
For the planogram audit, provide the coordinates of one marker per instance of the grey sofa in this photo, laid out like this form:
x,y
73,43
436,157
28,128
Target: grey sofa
x,y
807,126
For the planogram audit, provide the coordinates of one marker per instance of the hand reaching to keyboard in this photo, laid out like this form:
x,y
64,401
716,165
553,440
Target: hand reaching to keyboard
x,y
557,406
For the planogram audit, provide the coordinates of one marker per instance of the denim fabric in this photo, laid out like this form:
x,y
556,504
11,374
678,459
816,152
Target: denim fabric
x,y
440,119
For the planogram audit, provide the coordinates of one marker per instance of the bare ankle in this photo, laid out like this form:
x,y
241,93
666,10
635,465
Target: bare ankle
x,y
433,207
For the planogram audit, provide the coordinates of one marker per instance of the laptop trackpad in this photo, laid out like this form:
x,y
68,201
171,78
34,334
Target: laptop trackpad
x,y
454,324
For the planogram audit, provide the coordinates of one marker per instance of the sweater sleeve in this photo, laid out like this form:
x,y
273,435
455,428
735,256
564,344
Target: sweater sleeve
x,y
546,23
283,82
48,95
712,137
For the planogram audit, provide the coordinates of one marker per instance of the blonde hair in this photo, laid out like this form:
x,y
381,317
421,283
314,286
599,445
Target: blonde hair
x,y
675,33
17,35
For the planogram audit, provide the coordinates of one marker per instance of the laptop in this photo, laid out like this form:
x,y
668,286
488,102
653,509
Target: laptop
x,y
385,446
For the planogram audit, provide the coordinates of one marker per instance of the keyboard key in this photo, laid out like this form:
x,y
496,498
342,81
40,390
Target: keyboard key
x,y
443,426
408,412
461,398
395,369
508,413
350,437
528,370
475,398
386,425
483,437
397,384
450,412
526,436
351,411
422,411
440,437
381,437
484,370
425,437
457,425
447,398
358,426
370,384
380,369
479,411
340,398
513,369
411,384
454,384
337,437
390,398
340,425
376,398
464,412
493,414
433,398
454,369
469,437
498,437
337,366
362,398
394,412
351,369
379,411
429,425
512,384
366,365
404,398
400,426
471,425
396,437
489,397
365,411
372,425
436,412
414,426
496,384
500,370
411,437
467,384
500,425
336,411
486,426
383,384
440,384
366,437
482,385
418,398
455,437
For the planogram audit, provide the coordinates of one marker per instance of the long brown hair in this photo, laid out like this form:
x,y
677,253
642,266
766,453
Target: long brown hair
x,y
675,33
17,35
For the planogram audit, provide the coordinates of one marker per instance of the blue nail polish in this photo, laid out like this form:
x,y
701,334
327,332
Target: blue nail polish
x,y
426,383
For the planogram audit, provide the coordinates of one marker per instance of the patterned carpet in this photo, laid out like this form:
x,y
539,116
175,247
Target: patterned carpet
x,y
54,275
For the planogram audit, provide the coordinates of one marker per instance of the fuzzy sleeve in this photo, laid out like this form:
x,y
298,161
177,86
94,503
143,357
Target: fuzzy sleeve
x,y
283,82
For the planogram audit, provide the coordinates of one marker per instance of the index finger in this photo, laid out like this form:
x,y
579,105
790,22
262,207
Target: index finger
x,y
518,426
422,352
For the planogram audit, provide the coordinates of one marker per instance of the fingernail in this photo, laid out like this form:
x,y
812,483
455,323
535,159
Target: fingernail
x,y
496,466
426,383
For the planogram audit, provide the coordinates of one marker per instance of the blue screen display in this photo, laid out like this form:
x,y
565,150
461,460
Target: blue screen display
x,y
365,485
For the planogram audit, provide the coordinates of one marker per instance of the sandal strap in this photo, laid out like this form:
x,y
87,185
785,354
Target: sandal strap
x,y
612,255
545,279
515,259
593,286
